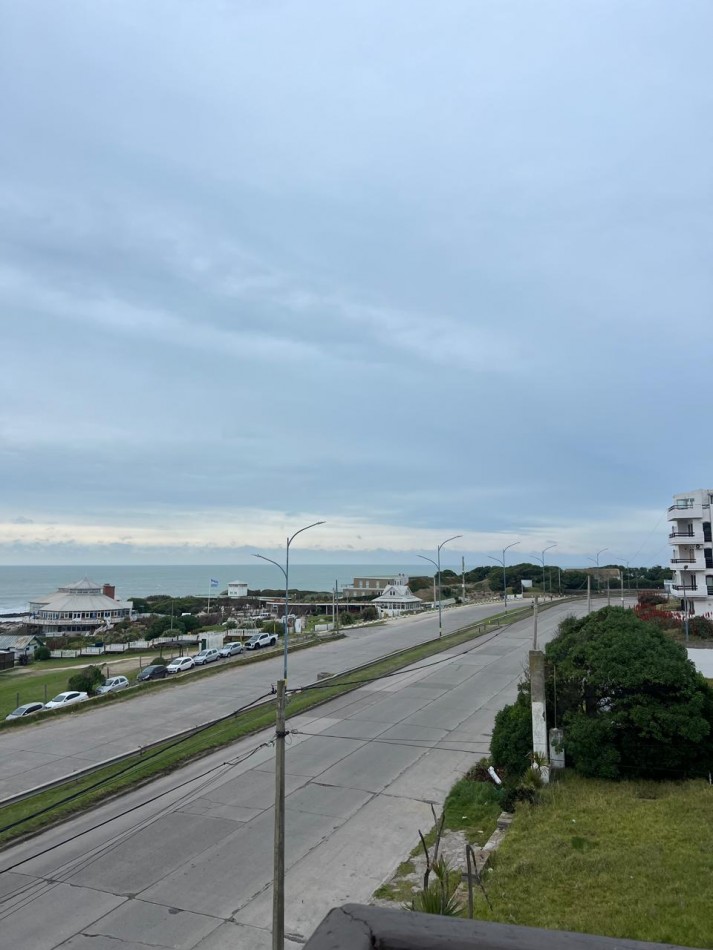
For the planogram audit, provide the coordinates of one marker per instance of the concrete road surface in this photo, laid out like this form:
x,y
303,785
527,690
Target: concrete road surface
x,y
190,866
31,756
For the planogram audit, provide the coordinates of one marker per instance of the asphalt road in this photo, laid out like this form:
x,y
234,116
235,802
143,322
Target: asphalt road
x,y
31,756
190,866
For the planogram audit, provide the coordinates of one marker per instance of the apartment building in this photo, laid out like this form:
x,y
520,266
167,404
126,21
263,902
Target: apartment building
x,y
692,549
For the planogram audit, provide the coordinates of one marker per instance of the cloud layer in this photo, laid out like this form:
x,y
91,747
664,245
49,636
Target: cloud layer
x,y
413,269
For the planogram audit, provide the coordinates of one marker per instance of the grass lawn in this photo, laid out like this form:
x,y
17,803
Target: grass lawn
x,y
30,687
630,859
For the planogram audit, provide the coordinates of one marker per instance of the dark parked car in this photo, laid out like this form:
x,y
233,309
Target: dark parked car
x,y
152,673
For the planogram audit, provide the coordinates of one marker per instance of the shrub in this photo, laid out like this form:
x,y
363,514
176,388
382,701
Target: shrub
x,y
87,680
511,743
273,626
648,598
346,619
43,653
370,613
700,627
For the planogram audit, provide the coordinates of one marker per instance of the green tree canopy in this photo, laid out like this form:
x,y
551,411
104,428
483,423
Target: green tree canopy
x,y
630,701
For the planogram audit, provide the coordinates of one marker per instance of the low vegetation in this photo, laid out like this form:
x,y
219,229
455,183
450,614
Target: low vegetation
x,y
628,859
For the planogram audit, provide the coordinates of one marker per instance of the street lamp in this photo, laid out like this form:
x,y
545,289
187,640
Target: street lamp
x,y
437,565
541,559
502,561
286,572
596,561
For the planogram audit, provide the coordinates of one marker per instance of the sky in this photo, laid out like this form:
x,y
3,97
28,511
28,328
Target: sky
x,y
415,269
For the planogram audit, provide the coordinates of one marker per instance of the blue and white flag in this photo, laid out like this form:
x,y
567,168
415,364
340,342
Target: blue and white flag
x,y
214,582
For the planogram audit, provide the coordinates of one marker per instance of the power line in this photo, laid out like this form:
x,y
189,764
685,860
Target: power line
x,y
149,801
128,768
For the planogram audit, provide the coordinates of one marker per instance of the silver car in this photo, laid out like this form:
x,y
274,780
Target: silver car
x,y
113,684
27,710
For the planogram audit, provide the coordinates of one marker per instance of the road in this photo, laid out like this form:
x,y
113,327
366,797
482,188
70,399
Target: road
x,y
190,866
32,756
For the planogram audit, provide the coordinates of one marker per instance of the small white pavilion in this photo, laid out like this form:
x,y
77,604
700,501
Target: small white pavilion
x,y
397,599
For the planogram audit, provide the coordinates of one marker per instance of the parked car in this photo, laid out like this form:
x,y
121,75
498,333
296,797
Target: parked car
x,y
231,649
113,684
261,640
27,710
66,699
180,664
206,656
156,672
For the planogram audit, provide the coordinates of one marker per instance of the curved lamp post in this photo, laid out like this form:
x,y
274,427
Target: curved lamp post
x,y
437,565
501,560
541,559
595,560
286,572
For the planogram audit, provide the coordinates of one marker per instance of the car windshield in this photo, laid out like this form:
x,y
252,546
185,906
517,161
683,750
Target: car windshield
x,y
60,698
21,710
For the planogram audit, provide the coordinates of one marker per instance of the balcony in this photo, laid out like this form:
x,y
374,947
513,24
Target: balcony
x,y
687,535
689,591
685,511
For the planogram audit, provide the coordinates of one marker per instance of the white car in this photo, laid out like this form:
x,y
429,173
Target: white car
x,y
261,640
113,684
206,656
231,649
27,710
180,664
66,699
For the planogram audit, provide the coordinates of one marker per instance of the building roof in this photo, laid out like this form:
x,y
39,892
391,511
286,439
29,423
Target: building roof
x,y
84,595
396,593
16,641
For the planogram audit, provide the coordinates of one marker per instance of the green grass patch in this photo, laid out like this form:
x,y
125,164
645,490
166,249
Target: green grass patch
x,y
473,807
628,860
18,687
140,768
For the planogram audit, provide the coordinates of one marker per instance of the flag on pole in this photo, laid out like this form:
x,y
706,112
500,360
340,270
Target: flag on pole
x,y
214,583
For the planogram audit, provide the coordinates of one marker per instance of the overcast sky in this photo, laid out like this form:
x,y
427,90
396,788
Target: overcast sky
x,y
413,268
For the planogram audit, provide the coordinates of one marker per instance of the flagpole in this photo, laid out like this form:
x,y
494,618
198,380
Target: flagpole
x,y
209,589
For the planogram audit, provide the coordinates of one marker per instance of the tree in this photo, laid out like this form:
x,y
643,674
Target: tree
x,y
630,701
87,680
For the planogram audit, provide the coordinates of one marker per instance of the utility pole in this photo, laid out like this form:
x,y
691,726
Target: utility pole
x,y
462,573
278,887
534,624
622,587
589,593
608,594
336,605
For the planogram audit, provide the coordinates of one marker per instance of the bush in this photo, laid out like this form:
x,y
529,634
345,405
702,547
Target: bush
x,y
370,613
700,627
648,598
511,743
87,680
346,619
631,703
43,653
273,626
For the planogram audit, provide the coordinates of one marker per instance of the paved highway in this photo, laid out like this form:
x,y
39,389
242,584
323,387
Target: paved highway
x,y
37,754
190,866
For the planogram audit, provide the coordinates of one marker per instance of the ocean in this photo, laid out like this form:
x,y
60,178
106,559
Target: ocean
x,y
19,585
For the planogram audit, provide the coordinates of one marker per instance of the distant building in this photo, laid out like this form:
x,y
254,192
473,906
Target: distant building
x,y
82,607
692,550
397,599
19,644
368,586
237,589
